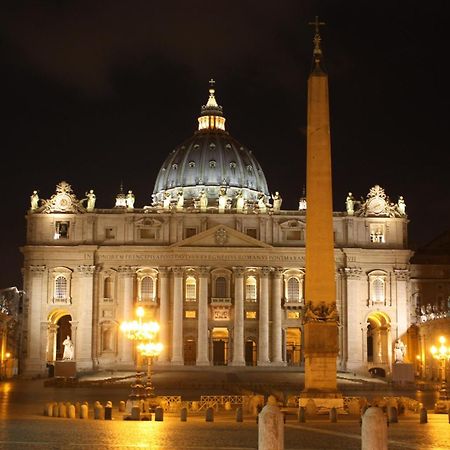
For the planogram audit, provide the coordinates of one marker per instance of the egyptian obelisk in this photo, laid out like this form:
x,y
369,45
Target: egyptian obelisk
x,y
320,328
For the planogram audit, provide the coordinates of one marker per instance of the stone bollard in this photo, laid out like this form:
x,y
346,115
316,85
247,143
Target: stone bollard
x,y
239,414
47,409
98,411
108,411
423,415
62,410
121,406
333,415
392,414
374,430
84,412
135,413
183,414
55,409
71,414
209,416
271,427
301,416
159,414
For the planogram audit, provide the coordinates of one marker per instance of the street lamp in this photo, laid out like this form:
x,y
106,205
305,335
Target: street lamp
x,y
144,333
442,354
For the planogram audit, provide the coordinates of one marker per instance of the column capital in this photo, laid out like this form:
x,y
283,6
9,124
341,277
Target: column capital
x,y
126,271
178,271
277,272
402,274
265,271
203,271
353,273
163,271
239,271
37,270
85,269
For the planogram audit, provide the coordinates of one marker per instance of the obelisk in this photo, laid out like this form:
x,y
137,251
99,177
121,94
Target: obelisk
x,y
320,319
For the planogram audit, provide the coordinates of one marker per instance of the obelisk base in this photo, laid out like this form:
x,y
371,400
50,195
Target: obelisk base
x,y
321,349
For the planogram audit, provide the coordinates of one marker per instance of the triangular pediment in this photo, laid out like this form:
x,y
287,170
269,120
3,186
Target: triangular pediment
x,y
221,236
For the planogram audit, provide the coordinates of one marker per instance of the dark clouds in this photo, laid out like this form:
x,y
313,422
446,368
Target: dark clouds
x,y
98,92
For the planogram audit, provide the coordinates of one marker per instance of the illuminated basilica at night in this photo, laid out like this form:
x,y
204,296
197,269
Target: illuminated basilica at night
x,y
218,262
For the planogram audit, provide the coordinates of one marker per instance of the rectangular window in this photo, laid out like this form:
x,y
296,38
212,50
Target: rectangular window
x,y
293,315
188,232
250,315
147,233
61,230
252,232
294,235
377,234
109,233
190,314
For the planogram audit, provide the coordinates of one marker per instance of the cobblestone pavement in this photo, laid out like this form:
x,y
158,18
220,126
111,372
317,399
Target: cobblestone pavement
x,y
23,425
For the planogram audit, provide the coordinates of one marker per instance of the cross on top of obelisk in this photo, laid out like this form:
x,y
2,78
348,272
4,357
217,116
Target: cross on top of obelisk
x,y
317,24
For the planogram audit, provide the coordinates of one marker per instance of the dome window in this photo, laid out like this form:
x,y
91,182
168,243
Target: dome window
x,y
232,165
212,146
174,166
191,163
196,146
249,168
212,163
228,146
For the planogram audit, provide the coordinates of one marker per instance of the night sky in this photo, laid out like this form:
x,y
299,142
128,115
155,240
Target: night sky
x,y
97,93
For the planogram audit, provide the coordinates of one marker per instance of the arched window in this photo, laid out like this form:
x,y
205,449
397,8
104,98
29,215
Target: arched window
x,y
147,289
293,289
60,288
250,289
221,287
191,289
107,287
377,289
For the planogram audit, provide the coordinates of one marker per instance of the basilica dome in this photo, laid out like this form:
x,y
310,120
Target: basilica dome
x,y
211,163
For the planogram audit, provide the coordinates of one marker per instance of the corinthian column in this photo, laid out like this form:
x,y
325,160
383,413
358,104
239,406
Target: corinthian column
x,y
126,275
238,335
263,347
164,314
84,277
202,343
276,317
177,318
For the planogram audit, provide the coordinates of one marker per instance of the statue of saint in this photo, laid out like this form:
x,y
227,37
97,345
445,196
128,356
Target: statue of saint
x,y
90,200
276,201
130,200
262,203
399,351
401,206
350,204
180,201
223,197
34,199
68,349
203,201
240,202
167,199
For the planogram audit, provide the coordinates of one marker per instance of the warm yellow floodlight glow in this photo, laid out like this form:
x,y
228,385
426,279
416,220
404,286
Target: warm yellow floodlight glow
x,y
140,311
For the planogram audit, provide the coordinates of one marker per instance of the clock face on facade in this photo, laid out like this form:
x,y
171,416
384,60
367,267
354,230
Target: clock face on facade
x,y
376,205
63,201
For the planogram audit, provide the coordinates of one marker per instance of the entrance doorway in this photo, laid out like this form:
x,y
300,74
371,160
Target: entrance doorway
x,y
190,353
250,353
220,346
293,346
378,340
63,330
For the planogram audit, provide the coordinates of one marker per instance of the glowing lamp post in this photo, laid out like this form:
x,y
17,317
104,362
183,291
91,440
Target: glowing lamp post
x,y
442,354
144,333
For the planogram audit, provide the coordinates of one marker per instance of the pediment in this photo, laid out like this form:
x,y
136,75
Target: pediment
x,y
221,236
